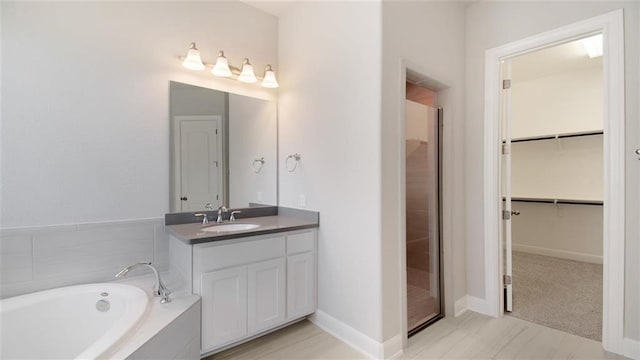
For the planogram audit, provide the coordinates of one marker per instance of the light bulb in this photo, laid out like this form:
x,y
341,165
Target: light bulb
x,y
269,80
193,61
222,66
247,75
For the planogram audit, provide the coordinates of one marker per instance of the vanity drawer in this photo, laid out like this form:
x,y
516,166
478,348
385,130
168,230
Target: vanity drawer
x,y
300,242
209,257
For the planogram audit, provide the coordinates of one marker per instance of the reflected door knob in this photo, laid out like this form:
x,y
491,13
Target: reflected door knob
x,y
184,198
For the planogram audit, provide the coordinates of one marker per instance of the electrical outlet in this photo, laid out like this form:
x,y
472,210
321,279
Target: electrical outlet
x,y
303,200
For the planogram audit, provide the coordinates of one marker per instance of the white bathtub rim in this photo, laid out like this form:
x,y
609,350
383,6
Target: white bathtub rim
x,y
136,306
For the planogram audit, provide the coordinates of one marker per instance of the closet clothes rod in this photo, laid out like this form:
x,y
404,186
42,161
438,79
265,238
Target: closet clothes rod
x,y
559,136
556,201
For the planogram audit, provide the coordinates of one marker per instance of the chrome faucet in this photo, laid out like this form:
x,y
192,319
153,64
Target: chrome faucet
x,y
221,210
159,288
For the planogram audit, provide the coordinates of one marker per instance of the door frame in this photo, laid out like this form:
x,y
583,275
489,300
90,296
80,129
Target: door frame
x,y
176,176
611,25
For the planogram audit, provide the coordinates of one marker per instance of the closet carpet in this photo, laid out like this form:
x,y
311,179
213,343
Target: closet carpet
x,y
561,294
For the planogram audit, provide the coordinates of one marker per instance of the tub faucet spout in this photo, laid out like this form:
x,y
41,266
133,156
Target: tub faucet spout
x,y
159,288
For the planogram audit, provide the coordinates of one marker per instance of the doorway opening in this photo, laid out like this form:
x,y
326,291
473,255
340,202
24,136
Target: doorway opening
x,y
423,119
552,187
611,25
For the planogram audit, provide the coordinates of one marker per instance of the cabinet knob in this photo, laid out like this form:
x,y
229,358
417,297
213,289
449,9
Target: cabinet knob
x,y
184,198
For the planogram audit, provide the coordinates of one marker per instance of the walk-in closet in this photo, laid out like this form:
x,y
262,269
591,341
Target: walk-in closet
x,y
554,143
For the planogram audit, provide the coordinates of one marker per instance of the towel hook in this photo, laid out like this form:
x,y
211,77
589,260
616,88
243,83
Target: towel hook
x,y
296,157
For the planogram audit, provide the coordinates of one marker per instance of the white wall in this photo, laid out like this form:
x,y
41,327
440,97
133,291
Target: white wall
x,y
85,115
430,37
571,232
329,112
568,168
252,135
560,103
491,24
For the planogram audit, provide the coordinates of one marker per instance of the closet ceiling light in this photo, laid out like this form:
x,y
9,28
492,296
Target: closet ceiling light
x,y
269,80
593,45
193,61
247,75
222,66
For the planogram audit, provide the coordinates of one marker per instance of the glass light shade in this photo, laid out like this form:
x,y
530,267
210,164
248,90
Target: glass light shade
x,y
247,75
593,45
222,66
269,80
193,61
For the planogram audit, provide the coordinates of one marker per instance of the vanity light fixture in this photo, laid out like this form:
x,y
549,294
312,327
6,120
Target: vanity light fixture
x,y
269,80
193,61
221,68
247,75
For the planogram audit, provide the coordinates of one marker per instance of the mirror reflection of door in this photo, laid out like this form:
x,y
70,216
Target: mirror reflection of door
x,y
223,149
200,161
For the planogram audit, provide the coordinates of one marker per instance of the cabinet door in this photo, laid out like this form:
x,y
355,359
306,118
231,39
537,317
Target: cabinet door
x,y
301,285
224,306
266,288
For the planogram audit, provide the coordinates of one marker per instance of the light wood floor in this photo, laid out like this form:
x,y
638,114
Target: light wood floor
x,y
470,336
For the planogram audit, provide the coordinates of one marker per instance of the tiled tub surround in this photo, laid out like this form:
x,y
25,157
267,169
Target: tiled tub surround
x,y
40,258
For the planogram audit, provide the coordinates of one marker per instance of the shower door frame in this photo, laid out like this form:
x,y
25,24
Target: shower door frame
x,y
439,116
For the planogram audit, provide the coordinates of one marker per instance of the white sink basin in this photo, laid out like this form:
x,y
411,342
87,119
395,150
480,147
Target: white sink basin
x,y
230,227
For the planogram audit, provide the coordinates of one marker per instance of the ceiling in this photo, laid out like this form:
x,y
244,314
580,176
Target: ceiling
x,y
560,58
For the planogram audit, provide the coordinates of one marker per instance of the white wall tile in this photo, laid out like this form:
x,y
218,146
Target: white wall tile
x,y
40,258
15,258
161,247
94,251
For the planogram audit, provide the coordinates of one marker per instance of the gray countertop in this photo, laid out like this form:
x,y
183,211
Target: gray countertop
x,y
192,233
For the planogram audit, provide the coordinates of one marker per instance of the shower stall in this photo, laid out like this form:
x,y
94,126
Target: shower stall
x,y
422,145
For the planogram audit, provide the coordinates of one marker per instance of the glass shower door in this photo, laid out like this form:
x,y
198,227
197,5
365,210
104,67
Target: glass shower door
x,y
423,215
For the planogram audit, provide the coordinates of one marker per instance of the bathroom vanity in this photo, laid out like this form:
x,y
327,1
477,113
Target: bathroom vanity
x,y
251,281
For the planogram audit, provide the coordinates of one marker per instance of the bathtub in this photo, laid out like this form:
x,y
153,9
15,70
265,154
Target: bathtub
x,y
75,322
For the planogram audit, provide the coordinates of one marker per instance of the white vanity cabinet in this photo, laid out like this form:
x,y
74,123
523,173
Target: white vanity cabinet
x,y
254,284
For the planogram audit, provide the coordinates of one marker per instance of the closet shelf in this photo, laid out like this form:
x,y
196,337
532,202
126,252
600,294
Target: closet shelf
x,y
557,201
559,136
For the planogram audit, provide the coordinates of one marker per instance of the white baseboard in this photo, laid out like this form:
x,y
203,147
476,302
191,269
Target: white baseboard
x,y
479,305
562,254
392,348
631,348
357,340
460,306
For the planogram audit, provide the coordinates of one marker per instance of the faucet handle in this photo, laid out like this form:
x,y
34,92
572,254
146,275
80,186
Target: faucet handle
x,y
233,215
205,219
